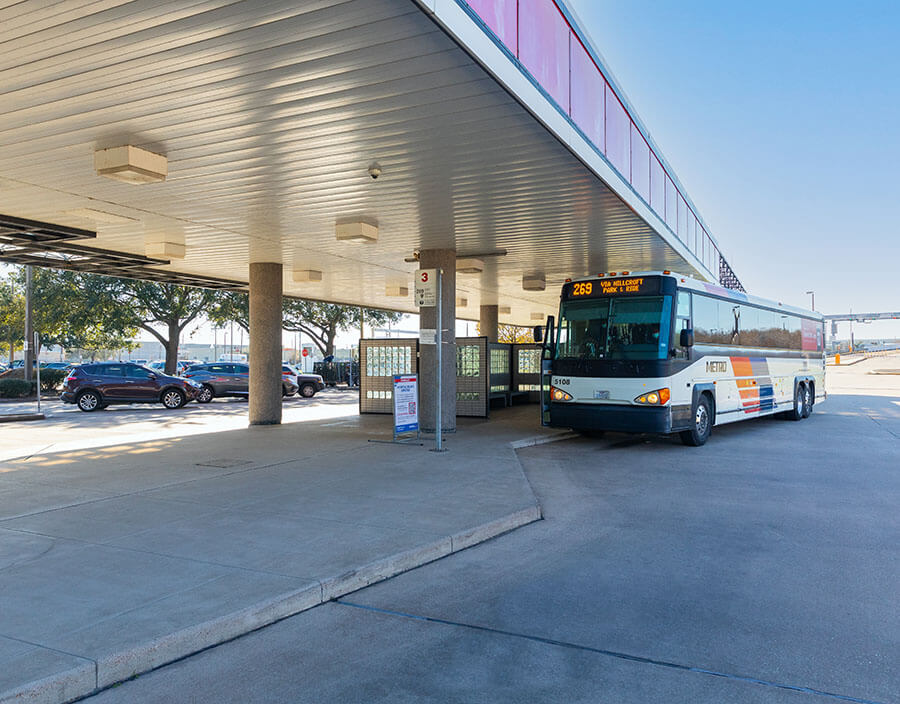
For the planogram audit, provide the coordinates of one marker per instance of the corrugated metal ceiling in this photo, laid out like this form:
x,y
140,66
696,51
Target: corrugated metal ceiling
x,y
270,114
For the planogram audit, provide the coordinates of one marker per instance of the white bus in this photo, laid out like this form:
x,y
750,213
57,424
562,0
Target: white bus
x,y
664,353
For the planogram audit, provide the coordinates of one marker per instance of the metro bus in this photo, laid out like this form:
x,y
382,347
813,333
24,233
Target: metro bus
x,y
658,352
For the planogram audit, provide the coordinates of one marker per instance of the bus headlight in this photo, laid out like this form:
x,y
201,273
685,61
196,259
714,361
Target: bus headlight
x,y
559,394
659,397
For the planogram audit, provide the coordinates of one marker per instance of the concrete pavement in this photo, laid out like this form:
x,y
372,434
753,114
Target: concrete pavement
x,y
115,559
762,568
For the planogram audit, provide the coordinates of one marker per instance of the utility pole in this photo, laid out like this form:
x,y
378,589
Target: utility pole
x,y
813,294
29,326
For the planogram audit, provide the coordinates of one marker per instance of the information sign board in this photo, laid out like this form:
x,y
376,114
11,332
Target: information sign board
x,y
406,404
427,336
426,288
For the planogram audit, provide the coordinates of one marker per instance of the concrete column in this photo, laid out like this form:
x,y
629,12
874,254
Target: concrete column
x,y
444,259
265,343
490,322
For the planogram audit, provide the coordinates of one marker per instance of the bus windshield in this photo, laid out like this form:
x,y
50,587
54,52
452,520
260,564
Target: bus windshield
x,y
633,327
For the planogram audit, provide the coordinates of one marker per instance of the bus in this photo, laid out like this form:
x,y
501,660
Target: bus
x,y
659,352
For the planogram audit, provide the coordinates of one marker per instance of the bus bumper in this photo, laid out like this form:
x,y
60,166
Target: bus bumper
x,y
626,419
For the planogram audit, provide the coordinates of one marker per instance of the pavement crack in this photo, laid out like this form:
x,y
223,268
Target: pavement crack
x,y
612,653
883,427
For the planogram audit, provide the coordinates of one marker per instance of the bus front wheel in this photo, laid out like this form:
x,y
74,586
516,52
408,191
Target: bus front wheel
x,y
699,433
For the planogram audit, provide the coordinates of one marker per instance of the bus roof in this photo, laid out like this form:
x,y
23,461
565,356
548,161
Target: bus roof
x,y
687,282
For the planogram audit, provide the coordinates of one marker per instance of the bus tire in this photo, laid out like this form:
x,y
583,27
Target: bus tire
x,y
809,399
798,409
702,426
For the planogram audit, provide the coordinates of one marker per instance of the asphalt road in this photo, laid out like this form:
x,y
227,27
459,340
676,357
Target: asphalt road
x,y
762,567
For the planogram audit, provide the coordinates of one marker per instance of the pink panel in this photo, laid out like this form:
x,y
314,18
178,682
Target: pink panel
x,y
544,47
500,16
682,218
640,164
692,231
657,187
587,95
618,134
671,204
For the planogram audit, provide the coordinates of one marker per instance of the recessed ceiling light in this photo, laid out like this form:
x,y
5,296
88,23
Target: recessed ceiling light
x,y
504,310
396,291
307,275
537,316
356,232
131,165
99,216
534,282
461,302
469,265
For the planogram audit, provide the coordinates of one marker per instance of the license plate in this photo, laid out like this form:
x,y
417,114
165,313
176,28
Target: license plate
x,y
601,395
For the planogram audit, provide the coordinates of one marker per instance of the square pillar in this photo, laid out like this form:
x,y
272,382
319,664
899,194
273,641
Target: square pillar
x,y
445,260
489,322
265,343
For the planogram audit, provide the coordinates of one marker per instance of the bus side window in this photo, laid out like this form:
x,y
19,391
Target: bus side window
x,y
682,322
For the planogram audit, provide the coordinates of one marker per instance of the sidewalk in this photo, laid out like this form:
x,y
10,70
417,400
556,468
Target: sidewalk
x,y
115,560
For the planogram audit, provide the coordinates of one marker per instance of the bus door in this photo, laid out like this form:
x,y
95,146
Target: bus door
x,y
682,322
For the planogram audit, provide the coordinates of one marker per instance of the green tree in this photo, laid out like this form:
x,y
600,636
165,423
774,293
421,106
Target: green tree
x,y
12,317
320,321
73,310
170,306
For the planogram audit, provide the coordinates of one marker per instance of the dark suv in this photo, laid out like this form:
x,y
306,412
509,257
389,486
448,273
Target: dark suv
x,y
228,379
93,386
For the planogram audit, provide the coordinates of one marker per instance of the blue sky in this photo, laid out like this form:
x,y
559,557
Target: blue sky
x,y
781,120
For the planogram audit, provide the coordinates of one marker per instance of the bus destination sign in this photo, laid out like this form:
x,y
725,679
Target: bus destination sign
x,y
622,286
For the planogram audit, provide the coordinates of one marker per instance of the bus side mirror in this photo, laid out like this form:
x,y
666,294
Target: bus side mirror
x,y
687,338
538,333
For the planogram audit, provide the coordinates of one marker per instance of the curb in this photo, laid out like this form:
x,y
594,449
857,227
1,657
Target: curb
x,y
543,439
92,677
13,417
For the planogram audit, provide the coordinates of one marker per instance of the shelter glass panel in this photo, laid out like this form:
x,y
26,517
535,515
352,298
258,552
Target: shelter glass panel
x,y
657,187
640,164
618,135
671,204
500,16
544,47
682,218
587,95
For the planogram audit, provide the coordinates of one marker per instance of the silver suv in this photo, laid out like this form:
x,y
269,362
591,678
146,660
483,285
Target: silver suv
x,y
227,379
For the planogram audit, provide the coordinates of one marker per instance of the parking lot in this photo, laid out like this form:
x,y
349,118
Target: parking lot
x,y
67,428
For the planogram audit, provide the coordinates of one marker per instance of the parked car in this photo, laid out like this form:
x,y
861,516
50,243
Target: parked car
x,y
309,384
93,386
227,379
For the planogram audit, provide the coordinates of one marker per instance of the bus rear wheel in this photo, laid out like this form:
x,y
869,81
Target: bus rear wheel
x,y
702,427
800,409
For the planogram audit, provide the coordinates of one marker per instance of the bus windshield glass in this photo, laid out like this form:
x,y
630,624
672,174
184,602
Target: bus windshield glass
x,y
633,327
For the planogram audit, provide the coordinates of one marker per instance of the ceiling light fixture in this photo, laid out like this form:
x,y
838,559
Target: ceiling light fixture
x,y
534,282
396,291
469,266
361,232
131,164
307,276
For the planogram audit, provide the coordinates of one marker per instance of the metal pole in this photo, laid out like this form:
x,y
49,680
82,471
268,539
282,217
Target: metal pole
x,y
439,335
29,325
37,368
231,353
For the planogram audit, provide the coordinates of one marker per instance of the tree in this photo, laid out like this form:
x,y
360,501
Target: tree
x,y
69,310
512,333
12,317
320,321
170,305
